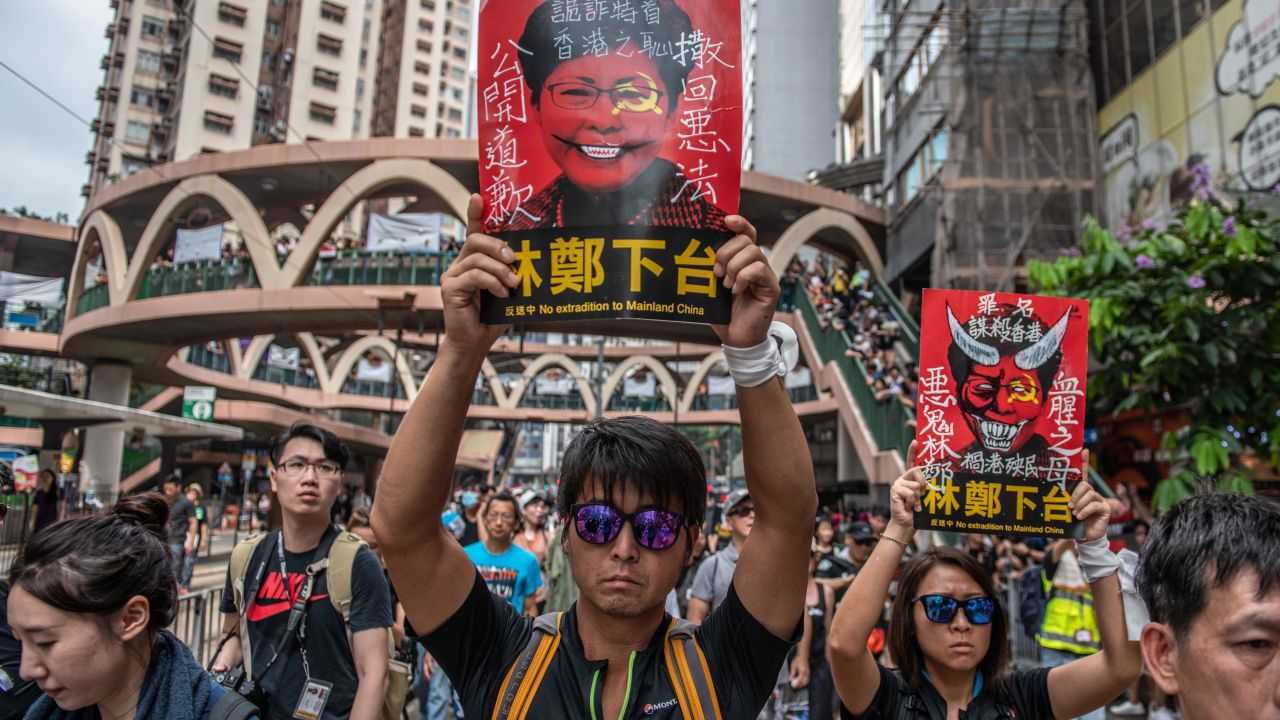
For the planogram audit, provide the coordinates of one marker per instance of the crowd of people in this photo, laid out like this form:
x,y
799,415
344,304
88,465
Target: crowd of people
x,y
612,599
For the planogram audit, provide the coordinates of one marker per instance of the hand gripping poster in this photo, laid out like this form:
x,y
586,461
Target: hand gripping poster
x,y
610,154
1000,416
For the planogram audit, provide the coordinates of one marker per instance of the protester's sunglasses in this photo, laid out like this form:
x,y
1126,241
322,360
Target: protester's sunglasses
x,y
942,608
599,524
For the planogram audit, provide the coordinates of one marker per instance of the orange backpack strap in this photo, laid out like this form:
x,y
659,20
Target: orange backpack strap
x,y
690,676
526,673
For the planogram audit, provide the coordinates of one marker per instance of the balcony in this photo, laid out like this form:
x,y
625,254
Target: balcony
x,y
364,268
205,276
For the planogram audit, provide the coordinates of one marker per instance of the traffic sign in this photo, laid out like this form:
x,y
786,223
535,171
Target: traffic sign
x,y
197,402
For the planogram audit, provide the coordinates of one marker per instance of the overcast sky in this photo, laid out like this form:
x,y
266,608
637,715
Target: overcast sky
x,y
57,45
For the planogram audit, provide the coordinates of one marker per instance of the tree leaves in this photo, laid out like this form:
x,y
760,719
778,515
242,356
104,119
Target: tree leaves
x,y
1165,345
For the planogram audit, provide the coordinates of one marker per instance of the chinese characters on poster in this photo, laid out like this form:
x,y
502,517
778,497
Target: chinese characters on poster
x,y
1000,417
610,151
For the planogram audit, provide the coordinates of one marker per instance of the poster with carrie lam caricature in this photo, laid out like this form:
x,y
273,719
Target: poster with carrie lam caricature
x,y
1000,415
610,154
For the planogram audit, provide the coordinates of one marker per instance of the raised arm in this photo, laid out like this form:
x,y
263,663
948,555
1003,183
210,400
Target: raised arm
x,y
853,667
428,566
1095,680
772,571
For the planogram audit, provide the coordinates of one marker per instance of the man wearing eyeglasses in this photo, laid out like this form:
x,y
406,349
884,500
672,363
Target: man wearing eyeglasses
x,y
603,119
300,655
510,572
632,493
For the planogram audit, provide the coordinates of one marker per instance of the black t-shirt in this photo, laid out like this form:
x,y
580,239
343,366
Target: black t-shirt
x,y
1025,693
46,502
16,694
180,511
478,644
470,531
327,649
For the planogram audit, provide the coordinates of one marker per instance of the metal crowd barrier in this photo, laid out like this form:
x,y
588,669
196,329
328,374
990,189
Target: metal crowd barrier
x,y
199,622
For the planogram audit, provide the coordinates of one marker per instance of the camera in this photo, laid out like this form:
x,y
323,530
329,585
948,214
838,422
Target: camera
x,y
238,681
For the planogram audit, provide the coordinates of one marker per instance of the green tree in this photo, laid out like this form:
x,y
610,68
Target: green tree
x,y
1186,317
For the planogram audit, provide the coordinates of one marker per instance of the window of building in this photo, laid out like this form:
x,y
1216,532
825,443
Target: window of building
x,y
415,131
333,12
460,52
364,57
429,5
455,114
260,125
359,87
417,111
421,67
426,26
130,166
137,132
457,93
142,97
148,62
420,89
463,14
232,14
355,119
326,114
329,45
452,132
223,85
1139,37
457,73
425,46
326,79
218,122
227,49
152,27
273,29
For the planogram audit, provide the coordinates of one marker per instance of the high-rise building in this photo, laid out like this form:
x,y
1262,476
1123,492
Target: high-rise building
x,y
790,80
199,76
990,157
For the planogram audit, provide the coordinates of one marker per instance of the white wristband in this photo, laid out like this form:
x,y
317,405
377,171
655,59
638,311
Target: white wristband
x,y
1096,559
775,356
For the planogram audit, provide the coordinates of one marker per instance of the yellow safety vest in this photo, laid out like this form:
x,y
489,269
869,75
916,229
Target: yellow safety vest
x,y
1067,617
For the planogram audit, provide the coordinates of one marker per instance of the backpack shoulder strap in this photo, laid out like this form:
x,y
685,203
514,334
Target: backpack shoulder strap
x,y
690,676
341,565
525,674
241,554
231,706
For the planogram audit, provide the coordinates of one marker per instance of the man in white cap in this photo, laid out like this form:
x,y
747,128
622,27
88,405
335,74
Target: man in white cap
x,y
711,584
534,536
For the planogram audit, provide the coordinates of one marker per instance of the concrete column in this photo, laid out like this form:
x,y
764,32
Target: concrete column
x,y
100,463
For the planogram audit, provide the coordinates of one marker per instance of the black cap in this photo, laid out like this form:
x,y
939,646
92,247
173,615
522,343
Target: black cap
x,y
859,531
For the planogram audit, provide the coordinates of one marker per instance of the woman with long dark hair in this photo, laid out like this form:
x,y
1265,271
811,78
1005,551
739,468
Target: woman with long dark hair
x,y
948,631
91,597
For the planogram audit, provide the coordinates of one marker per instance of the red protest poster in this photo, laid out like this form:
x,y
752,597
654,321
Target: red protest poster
x,y
1000,416
610,153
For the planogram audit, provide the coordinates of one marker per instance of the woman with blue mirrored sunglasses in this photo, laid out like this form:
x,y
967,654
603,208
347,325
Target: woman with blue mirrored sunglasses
x,y
948,631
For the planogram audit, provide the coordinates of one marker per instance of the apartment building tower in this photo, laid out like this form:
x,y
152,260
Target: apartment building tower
x,y
198,76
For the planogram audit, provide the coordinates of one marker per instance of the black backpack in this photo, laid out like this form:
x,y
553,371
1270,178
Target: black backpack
x,y
1031,599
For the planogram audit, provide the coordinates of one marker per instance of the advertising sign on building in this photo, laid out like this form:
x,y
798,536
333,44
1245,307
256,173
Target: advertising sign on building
x,y
197,402
1000,417
610,150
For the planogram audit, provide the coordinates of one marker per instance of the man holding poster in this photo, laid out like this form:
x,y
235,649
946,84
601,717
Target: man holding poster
x,y
610,153
633,494
1000,411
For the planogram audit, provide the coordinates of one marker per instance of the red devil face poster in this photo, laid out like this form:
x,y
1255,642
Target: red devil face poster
x,y
1000,417
610,154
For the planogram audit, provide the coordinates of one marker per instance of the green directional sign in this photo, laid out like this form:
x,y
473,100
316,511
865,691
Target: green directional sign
x,y
197,402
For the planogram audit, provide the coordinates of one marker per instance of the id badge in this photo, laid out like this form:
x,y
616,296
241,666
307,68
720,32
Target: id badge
x,y
1084,636
314,696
